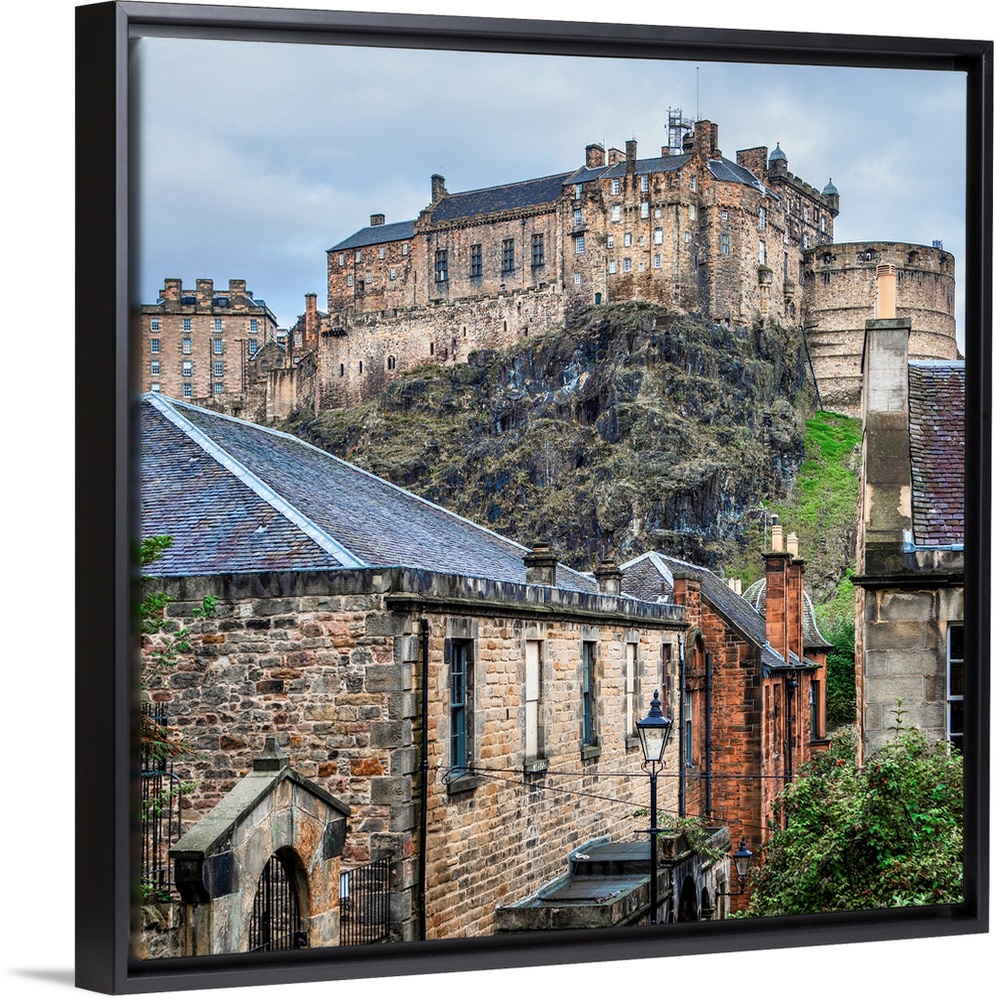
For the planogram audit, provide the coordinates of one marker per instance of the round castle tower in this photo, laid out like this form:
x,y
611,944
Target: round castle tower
x,y
840,291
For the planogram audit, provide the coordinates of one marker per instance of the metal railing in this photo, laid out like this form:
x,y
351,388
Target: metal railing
x,y
364,895
160,811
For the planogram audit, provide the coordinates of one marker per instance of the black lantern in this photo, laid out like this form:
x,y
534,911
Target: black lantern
x,y
742,857
654,732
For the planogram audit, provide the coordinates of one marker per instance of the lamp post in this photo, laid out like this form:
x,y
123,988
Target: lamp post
x,y
654,734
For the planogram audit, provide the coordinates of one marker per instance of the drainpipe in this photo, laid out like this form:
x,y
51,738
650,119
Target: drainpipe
x,y
682,800
791,688
707,732
423,863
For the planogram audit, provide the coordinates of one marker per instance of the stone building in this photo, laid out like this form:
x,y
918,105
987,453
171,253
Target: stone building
x,y
201,344
687,228
910,536
469,702
751,687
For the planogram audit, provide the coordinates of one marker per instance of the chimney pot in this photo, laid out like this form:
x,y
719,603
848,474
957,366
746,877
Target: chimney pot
x,y
886,307
793,546
776,539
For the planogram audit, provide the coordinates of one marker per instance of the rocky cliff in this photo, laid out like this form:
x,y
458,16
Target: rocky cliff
x,y
631,428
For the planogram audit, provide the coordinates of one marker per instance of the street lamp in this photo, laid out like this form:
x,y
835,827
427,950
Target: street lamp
x,y
741,857
654,733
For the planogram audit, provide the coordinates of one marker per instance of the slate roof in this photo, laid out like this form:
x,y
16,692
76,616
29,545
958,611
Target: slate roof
x,y
389,232
502,198
651,165
937,426
650,576
237,497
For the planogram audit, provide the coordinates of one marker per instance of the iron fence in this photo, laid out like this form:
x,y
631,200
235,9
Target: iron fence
x,y
365,903
160,809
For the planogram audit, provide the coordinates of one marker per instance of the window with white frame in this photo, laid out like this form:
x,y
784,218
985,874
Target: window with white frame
x,y
154,368
577,191
626,264
187,324
218,388
358,256
393,274
405,249
576,278
187,390
631,660
610,242
382,252
615,185
762,251
349,280
156,387
218,345
460,705
724,244
578,217
154,345
616,213
341,260
187,345
253,326
762,217
644,183
218,325
724,214
955,685
693,212
657,236
218,369
628,239
533,699
612,266
657,260
187,369
253,346
154,324
580,244
693,183
644,210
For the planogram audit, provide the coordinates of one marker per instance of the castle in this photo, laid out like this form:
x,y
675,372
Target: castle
x,y
735,241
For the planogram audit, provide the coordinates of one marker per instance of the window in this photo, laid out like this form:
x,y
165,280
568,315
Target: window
x,y
724,214
693,183
657,236
187,345
724,244
631,658
187,369
391,363
577,217
533,698
341,371
688,729
615,185
955,686
538,249
218,369
580,244
644,182
762,217
341,260
657,260
612,267
253,326
155,387
393,274
610,243
187,324
441,265
382,252
349,280
154,368
762,251
628,239
626,264
218,325
578,191
644,210
616,213
154,345
476,260
666,656
821,222
405,249
814,707
358,256
693,212
253,346
154,324
218,388
460,688
805,213
218,345
507,257
576,278
589,730
187,390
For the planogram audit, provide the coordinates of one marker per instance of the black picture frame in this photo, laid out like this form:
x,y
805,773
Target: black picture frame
x,y
105,507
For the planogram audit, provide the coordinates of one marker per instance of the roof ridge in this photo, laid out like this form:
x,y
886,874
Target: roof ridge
x,y
507,184
258,486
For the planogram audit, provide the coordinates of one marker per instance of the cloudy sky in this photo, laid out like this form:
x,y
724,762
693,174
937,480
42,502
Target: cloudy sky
x,y
257,157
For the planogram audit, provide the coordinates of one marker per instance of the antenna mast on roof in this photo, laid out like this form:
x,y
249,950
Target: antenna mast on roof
x,y
678,127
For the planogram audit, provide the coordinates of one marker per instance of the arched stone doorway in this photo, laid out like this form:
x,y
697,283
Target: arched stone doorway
x,y
687,909
275,923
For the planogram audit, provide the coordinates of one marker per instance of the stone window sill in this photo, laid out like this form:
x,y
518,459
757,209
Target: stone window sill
x,y
464,783
537,765
590,753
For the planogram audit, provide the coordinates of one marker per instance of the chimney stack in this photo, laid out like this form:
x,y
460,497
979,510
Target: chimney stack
x,y
608,577
540,565
596,156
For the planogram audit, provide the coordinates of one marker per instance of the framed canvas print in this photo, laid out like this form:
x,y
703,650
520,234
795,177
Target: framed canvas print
x,y
544,499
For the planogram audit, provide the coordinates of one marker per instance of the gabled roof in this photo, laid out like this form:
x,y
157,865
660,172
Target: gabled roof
x,y
651,165
236,497
502,198
390,232
649,577
937,430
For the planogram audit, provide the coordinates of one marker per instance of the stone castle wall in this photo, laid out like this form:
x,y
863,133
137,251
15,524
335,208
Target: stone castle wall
x,y
840,293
